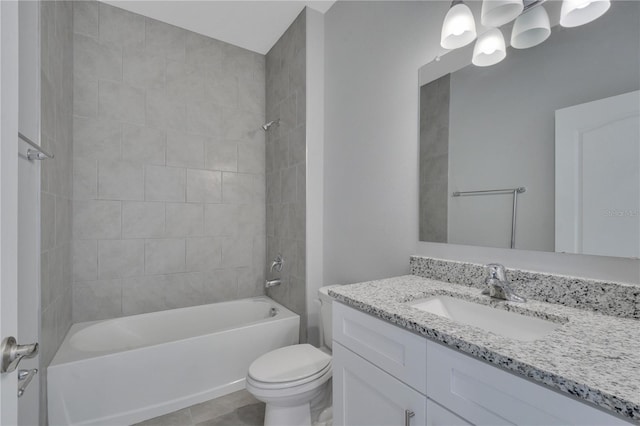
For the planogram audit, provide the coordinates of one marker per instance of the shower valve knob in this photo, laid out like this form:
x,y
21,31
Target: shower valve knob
x,y
277,263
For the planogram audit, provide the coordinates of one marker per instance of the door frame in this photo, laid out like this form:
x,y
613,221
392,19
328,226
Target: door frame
x,y
8,198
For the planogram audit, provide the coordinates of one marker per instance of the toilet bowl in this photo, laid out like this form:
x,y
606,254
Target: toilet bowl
x,y
288,379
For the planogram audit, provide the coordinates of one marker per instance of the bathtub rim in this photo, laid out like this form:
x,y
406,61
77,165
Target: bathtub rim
x,y
67,354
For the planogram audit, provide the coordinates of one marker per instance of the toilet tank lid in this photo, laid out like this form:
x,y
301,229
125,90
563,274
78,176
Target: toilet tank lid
x,y
289,364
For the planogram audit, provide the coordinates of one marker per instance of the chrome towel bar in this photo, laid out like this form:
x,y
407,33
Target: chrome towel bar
x,y
519,190
514,191
37,153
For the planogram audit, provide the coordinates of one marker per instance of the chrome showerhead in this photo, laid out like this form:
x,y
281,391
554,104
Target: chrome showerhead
x,y
268,125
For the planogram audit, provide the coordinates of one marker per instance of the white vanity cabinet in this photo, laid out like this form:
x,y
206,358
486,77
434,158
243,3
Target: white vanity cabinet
x,y
380,374
384,375
369,396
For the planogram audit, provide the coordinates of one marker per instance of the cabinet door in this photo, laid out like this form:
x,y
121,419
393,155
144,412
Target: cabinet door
x,y
440,416
486,395
394,350
364,395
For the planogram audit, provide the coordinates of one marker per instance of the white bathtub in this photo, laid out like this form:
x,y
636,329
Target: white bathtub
x,y
129,369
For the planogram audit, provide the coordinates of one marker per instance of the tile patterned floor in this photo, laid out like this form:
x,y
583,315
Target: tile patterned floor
x,y
236,409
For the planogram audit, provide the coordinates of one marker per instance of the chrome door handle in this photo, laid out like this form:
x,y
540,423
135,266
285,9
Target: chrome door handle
x,y
12,353
24,378
408,414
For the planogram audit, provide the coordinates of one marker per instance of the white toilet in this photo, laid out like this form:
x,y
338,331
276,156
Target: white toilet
x,y
289,378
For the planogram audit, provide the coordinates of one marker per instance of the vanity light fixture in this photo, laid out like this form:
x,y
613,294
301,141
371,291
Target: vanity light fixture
x,y
579,12
459,27
532,25
531,28
498,12
489,49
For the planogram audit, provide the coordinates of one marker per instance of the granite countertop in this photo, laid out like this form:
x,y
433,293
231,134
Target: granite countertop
x,y
591,356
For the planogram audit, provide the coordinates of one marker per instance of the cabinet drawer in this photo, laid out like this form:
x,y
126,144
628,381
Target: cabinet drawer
x,y
397,351
487,395
440,416
364,395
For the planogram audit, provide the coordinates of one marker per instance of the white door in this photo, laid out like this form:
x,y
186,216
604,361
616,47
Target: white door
x,y
364,395
598,177
8,199
19,207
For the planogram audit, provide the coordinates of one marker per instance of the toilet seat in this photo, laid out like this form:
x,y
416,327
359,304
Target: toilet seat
x,y
287,390
290,364
326,371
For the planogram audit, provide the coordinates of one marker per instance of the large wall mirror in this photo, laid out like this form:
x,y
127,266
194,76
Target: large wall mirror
x,y
554,127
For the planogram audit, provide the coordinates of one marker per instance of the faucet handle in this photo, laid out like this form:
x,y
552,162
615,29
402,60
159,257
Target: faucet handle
x,y
497,285
277,263
496,271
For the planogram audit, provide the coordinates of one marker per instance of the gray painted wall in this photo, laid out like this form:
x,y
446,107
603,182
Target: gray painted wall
x,y
56,62
314,123
373,53
169,184
502,124
286,167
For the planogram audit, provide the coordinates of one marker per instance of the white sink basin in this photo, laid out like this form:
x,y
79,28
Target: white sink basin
x,y
498,321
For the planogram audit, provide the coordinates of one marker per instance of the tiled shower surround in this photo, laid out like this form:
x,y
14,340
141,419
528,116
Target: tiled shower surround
x,y
56,90
286,167
168,166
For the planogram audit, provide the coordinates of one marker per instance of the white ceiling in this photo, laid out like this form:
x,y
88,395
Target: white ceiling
x,y
253,25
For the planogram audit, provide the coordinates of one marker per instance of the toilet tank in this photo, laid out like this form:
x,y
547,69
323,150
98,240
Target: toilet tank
x,y
325,315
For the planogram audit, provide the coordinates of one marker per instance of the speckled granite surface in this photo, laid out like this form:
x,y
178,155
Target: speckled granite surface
x,y
591,356
610,298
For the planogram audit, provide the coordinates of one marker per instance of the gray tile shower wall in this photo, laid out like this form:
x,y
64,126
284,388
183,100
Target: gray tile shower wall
x,y
286,166
168,166
56,62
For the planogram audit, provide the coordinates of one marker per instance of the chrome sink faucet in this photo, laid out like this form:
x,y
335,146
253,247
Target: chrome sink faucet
x,y
498,285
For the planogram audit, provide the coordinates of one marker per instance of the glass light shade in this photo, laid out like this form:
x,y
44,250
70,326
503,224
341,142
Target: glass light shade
x,y
489,49
579,12
498,12
459,28
531,28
